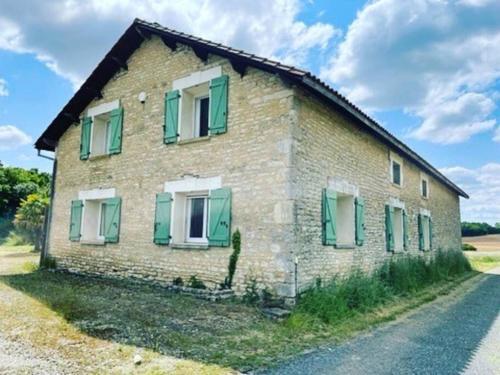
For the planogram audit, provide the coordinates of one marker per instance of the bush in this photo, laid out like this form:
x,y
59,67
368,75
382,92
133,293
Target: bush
x,y
178,281
196,283
233,259
15,239
340,299
468,247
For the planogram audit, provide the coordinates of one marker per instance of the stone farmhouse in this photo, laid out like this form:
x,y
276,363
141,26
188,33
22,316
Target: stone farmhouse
x,y
174,142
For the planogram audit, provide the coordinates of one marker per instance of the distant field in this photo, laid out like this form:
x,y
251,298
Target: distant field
x,y
491,242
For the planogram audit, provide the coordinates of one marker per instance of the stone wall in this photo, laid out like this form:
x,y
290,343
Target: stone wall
x,y
250,158
278,154
328,145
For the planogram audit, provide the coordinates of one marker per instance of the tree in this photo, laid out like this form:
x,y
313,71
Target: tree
x,y
30,217
15,185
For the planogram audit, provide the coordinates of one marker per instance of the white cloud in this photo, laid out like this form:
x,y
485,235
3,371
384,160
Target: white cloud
x,y
3,87
12,137
456,121
70,37
483,186
496,137
432,58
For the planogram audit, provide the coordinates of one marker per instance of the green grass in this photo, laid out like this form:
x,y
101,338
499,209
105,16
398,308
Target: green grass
x,y
229,333
341,299
485,263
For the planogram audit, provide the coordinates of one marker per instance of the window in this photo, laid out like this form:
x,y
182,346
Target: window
x,y
424,186
345,219
398,229
102,220
396,169
396,226
193,212
95,217
342,219
196,219
101,132
396,173
195,104
100,142
425,231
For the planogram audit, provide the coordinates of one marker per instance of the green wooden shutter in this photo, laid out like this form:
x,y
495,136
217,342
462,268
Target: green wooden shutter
x,y
329,214
389,227
85,138
430,233
112,219
219,223
218,105
405,230
420,232
115,129
170,126
75,220
360,220
162,218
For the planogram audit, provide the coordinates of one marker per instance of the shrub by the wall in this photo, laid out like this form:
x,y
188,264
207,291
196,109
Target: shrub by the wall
x,y
341,298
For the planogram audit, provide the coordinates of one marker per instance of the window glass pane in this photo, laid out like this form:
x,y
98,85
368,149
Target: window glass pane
x,y
204,116
196,219
396,173
424,188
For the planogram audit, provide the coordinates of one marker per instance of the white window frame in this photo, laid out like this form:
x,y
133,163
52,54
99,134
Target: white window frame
x,y
344,187
94,195
424,177
99,110
203,238
396,203
100,236
426,218
394,158
185,83
189,186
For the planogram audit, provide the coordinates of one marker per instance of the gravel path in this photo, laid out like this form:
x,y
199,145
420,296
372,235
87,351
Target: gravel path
x,y
444,337
20,358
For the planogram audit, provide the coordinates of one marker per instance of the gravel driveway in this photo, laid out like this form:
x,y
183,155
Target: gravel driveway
x,y
455,336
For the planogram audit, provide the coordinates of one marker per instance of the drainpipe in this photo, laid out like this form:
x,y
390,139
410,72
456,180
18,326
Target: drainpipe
x,y
296,263
48,211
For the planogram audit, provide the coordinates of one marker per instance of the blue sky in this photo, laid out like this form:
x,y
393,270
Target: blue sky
x,y
427,70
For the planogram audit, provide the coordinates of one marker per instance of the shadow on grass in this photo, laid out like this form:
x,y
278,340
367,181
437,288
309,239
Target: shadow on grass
x,y
224,333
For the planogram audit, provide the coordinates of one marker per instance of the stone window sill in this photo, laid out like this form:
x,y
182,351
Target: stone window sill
x,y
189,246
345,246
93,242
193,140
396,185
99,157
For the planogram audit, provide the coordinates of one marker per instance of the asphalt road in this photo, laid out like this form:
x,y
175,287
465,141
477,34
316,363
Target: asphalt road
x,y
449,336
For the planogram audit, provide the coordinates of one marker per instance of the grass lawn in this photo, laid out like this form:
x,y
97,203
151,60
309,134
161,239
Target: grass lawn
x,y
484,263
106,322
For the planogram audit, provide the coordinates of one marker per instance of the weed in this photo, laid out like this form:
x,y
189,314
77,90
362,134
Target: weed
x,y
178,281
340,299
29,267
251,295
196,283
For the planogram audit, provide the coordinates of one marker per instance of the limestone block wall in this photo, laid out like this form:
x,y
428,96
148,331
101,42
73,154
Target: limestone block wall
x,y
328,145
251,159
